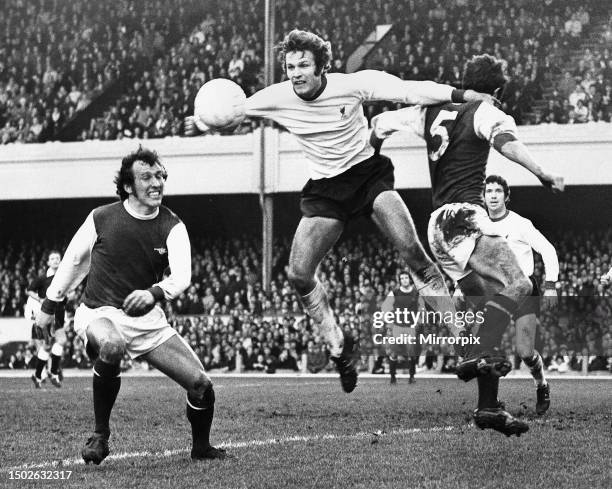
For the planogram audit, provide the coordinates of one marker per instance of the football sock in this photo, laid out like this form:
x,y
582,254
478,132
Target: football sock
x,y
318,308
392,366
56,357
41,361
200,413
432,287
412,366
497,314
488,387
536,367
106,384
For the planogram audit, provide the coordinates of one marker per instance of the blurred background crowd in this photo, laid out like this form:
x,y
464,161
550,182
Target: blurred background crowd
x,y
225,313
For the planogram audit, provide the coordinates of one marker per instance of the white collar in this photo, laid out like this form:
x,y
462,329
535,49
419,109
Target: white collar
x,y
130,210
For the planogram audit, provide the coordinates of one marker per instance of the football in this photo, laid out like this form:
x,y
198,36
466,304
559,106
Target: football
x,y
220,104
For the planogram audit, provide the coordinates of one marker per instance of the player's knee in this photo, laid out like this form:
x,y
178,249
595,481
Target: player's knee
x,y
524,350
201,389
413,254
300,279
112,350
523,287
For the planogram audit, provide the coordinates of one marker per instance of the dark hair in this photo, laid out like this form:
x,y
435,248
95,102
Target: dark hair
x,y
500,181
298,40
483,73
125,176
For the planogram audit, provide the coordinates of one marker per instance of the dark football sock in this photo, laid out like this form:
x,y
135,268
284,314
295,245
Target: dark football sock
x,y
40,366
200,414
392,366
55,363
412,366
497,314
488,387
106,384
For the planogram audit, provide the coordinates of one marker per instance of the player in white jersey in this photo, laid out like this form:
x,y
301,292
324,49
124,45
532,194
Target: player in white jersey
x,y
324,112
523,237
125,247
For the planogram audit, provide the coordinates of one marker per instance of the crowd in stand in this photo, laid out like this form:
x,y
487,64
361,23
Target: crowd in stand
x,y
59,56
56,57
226,314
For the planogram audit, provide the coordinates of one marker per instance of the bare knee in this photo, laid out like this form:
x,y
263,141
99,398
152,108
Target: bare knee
x,y
200,385
414,255
523,287
112,349
302,281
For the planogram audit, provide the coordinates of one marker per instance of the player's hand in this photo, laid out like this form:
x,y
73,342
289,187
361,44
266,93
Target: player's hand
x,y
555,183
606,278
473,96
190,128
138,303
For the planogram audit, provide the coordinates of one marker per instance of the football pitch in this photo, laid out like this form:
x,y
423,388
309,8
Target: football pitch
x,y
306,433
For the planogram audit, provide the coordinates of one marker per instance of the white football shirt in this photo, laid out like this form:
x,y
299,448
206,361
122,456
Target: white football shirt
x,y
332,129
522,236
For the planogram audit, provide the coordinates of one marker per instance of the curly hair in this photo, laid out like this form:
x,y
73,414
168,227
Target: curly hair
x,y
484,73
501,181
298,40
125,176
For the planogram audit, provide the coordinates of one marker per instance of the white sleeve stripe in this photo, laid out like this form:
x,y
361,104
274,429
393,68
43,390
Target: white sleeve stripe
x,y
179,258
75,264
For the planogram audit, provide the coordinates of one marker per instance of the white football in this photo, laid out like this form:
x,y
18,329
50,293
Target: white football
x,y
220,104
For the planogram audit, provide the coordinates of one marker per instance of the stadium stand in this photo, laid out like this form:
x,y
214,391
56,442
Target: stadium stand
x,y
78,70
226,313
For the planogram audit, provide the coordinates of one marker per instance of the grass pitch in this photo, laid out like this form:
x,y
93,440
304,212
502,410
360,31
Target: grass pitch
x,y
306,433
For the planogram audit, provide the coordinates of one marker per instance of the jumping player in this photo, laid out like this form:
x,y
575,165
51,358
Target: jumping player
x,y
36,294
324,112
522,237
462,239
125,247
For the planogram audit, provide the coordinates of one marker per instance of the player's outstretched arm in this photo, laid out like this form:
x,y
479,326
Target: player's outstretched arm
x,y
72,270
515,150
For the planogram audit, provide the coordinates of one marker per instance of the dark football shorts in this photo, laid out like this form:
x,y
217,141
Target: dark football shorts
x,y
531,305
350,194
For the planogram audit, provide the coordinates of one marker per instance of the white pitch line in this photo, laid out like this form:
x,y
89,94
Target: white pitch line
x,y
237,445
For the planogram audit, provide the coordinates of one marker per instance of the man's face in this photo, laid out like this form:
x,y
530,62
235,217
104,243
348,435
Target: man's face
x,y
494,197
301,68
54,261
404,280
148,190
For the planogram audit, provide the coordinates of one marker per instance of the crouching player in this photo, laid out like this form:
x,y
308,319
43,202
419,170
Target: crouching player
x,y
43,337
522,237
460,233
125,248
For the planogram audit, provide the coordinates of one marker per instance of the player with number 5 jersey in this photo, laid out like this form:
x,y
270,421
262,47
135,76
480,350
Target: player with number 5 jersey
x,y
460,233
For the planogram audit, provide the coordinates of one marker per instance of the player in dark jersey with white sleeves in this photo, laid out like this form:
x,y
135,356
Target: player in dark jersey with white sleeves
x,y
124,248
325,114
471,252
523,237
404,297
37,291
